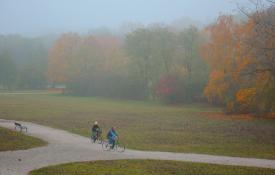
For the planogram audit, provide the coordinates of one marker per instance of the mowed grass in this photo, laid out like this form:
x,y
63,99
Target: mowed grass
x,y
12,140
148,167
149,126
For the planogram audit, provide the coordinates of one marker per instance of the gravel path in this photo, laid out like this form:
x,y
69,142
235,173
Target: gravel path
x,y
66,147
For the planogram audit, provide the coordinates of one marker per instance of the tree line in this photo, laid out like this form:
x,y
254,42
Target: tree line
x,y
228,63
131,67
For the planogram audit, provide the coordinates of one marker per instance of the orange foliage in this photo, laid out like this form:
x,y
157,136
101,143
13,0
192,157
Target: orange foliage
x,y
219,53
73,56
60,56
241,64
246,96
216,87
233,79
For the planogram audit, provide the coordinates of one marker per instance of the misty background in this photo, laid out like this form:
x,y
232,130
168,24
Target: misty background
x,y
36,18
173,51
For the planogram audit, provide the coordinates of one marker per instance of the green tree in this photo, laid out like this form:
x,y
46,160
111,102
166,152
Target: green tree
x,y
190,66
7,71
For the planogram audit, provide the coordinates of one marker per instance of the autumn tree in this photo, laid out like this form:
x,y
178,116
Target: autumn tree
x,y
241,59
60,57
97,63
104,65
221,54
259,70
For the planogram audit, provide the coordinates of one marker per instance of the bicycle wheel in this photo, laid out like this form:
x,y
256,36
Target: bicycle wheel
x,y
120,148
106,146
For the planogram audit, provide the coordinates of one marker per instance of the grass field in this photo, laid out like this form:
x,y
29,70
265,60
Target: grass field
x,y
149,126
148,167
23,91
11,140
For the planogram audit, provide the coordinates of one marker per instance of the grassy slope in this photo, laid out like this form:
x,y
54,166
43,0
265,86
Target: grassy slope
x,y
148,167
11,140
149,126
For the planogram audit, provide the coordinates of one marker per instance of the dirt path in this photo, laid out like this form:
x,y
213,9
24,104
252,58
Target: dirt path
x,y
66,147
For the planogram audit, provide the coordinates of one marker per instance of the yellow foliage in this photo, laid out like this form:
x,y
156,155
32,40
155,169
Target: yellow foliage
x,y
216,86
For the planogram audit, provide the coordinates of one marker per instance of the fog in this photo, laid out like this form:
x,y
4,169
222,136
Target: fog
x,y
178,76
170,51
35,18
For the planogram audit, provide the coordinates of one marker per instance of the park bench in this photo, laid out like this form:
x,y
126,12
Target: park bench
x,y
21,127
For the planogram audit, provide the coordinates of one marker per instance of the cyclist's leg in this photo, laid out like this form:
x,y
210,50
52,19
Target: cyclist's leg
x,y
113,143
94,136
110,142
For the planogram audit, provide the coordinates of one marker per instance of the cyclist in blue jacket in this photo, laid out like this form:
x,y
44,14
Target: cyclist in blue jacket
x,y
112,136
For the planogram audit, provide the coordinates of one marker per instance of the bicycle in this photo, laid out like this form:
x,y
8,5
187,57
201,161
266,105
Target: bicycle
x,y
106,146
97,137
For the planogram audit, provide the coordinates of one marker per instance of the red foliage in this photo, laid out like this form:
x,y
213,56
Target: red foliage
x,y
166,86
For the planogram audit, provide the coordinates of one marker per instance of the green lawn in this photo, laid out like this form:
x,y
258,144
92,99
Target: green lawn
x,y
149,126
12,140
148,167
23,91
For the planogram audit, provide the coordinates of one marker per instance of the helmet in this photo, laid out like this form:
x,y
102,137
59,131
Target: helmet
x,y
96,123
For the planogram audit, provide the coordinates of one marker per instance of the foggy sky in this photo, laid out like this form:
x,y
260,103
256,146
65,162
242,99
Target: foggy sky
x,y
39,17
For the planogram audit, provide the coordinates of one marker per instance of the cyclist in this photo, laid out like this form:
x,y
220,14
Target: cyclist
x,y
112,137
96,131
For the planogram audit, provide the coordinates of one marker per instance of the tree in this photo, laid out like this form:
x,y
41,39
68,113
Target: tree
x,y
7,71
189,65
60,57
221,54
241,60
259,71
97,63
151,52
138,46
29,55
32,76
92,65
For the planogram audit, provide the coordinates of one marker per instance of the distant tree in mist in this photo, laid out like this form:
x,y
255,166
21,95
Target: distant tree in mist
x,y
60,56
101,65
7,71
92,65
157,52
29,57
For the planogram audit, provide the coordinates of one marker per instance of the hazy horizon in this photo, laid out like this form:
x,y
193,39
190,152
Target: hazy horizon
x,y
36,18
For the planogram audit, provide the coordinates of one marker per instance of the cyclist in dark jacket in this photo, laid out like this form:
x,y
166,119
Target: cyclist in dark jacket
x,y
96,131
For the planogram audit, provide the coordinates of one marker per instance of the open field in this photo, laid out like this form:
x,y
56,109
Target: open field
x,y
147,167
149,126
11,140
